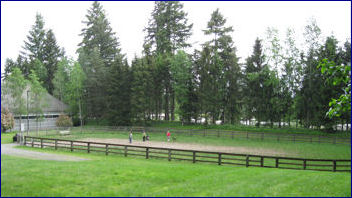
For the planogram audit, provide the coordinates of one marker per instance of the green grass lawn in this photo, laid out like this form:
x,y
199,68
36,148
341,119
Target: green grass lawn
x,y
120,176
232,127
6,138
291,149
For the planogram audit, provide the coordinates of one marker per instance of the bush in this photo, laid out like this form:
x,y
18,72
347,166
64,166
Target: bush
x,y
64,121
7,120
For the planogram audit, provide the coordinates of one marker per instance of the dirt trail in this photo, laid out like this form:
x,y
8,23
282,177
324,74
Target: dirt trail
x,y
190,146
9,149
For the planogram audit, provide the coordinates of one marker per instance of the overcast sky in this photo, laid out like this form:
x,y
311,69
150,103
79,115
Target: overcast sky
x,y
128,19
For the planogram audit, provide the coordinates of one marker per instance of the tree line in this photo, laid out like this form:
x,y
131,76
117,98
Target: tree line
x,y
278,83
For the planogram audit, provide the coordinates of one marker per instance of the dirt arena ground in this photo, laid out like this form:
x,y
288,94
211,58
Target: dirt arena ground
x,y
190,146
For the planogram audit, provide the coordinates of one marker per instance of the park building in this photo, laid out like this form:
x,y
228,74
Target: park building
x,y
52,108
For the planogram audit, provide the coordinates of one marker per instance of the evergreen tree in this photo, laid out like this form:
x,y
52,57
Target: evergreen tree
x,y
254,84
119,93
167,31
98,35
224,69
98,53
34,47
52,56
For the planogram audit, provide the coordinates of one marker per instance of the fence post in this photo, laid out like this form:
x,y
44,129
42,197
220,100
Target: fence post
x,y
169,156
194,157
276,162
106,149
334,166
247,161
334,140
88,147
261,161
319,139
25,140
204,133
219,160
304,164
147,153
311,139
218,133
190,132
32,142
71,146
232,134
125,151
55,144
247,135
294,137
41,143
278,137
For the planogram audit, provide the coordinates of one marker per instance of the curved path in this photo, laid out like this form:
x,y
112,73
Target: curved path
x,y
9,149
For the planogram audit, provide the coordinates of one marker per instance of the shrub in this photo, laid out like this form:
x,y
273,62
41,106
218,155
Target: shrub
x,y
7,120
64,121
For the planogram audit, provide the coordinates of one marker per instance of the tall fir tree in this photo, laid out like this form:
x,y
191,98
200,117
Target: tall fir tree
x,y
34,46
52,55
98,53
167,31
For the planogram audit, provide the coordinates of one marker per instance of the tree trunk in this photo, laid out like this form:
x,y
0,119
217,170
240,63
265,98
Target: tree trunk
x,y
80,113
172,104
166,105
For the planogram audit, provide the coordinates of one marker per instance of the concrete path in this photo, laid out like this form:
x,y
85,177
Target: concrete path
x,y
9,149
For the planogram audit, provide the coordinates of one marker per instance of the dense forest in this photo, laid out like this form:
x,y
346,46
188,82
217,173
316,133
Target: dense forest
x,y
279,83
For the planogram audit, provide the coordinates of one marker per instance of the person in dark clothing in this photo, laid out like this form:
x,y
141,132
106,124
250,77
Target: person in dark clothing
x,y
144,135
130,136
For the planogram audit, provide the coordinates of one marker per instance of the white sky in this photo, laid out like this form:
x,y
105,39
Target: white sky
x,y
128,19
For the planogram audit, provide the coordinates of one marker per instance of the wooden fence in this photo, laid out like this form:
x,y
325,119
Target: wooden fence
x,y
220,158
233,134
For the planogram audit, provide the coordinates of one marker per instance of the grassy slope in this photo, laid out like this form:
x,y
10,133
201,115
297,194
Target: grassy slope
x,y
306,150
119,176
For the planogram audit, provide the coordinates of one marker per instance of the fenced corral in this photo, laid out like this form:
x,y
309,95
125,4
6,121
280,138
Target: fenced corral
x,y
279,137
220,158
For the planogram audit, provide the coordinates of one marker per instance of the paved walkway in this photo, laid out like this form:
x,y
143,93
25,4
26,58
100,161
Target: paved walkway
x,y
9,149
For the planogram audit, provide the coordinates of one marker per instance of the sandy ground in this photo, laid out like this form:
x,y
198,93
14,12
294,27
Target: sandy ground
x,y
190,146
9,149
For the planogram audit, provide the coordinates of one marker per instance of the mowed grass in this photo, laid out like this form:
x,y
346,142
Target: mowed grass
x,y
233,127
120,176
290,149
6,138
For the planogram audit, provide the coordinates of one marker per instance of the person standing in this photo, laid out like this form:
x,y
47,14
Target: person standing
x,y
144,135
168,134
130,136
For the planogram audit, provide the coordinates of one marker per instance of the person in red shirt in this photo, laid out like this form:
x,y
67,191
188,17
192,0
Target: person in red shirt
x,y
168,134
